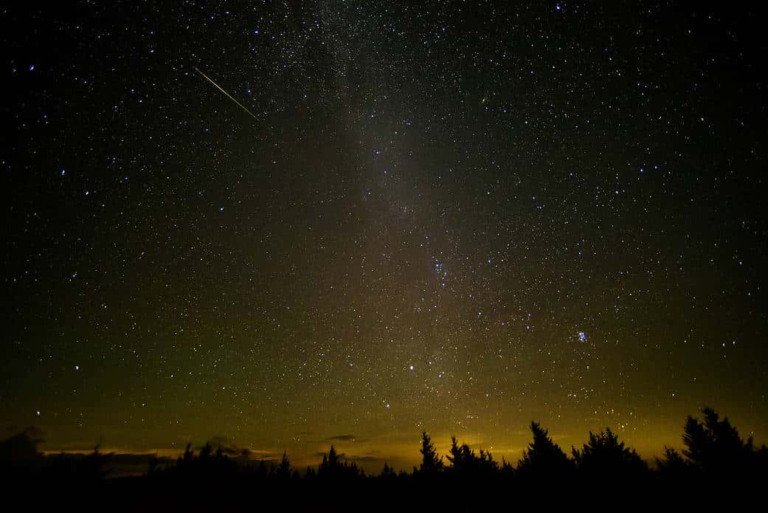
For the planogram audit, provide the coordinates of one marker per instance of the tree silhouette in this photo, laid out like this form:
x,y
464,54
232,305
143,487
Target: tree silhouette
x,y
486,464
430,462
506,468
284,470
207,466
714,446
714,456
330,464
333,458
93,467
672,466
205,453
332,467
465,462
19,454
607,458
388,473
187,458
543,458
459,456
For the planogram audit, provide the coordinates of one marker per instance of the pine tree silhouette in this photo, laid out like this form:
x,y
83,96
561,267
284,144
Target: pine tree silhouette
x,y
714,446
506,468
672,466
465,462
430,462
605,457
205,454
486,464
330,465
333,458
388,472
332,468
284,470
543,458
458,455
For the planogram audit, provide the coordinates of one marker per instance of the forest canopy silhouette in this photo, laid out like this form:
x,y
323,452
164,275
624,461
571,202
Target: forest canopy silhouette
x,y
713,453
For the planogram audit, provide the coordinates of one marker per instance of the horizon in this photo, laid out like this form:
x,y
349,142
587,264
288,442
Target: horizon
x,y
360,451
302,223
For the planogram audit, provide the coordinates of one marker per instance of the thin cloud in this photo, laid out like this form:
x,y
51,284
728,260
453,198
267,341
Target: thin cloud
x,y
344,438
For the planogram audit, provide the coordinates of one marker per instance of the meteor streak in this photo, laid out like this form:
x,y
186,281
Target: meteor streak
x,y
228,95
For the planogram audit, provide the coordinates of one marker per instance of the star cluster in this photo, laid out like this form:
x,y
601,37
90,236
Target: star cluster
x,y
452,216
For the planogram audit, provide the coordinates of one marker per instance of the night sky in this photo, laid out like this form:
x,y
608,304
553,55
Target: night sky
x,y
450,216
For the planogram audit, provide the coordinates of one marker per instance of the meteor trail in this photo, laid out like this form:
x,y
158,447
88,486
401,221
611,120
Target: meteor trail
x,y
228,95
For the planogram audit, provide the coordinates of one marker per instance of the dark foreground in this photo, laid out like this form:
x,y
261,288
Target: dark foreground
x,y
716,469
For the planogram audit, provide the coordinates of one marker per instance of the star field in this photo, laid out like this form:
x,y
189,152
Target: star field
x,y
452,216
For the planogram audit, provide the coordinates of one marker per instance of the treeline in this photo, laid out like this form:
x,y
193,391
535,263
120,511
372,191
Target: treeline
x,y
713,448
714,458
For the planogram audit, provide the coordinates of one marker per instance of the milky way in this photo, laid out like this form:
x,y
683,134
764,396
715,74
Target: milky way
x,y
451,216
